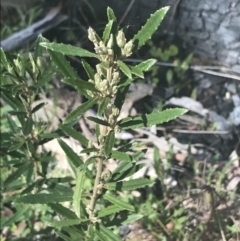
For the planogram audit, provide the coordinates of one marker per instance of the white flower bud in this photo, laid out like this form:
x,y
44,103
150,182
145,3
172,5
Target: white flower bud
x,y
115,77
110,41
121,40
128,48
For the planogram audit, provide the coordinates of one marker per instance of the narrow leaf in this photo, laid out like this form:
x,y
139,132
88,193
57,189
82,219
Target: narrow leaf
x,y
15,175
12,124
80,110
126,171
67,49
38,107
132,218
151,119
121,156
4,60
109,210
109,143
74,134
119,202
79,187
89,70
111,15
125,69
146,65
63,211
107,31
72,156
46,198
13,102
137,71
108,233
98,121
120,97
66,223
149,28
127,185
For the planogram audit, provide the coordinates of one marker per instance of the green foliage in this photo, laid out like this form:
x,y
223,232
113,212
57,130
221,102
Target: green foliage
x,y
90,187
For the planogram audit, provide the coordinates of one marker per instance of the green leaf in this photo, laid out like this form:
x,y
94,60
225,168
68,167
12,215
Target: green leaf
x,y
109,210
4,60
98,121
12,125
124,171
127,185
103,105
79,187
120,97
107,31
15,217
13,102
146,65
109,143
125,69
100,236
154,118
121,156
74,134
67,49
132,218
80,85
111,15
72,156
89,150
46,198
15,175
63,211
38,49
28,126
80,110
137,71
66,223
89,70
38,107
119,202
149,28
110,236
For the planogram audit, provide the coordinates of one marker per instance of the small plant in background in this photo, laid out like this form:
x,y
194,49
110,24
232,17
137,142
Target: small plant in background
x,y
95,209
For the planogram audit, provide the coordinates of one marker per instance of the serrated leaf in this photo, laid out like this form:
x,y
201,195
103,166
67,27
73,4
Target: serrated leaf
x,y
138,155
80,110
28,125
98,121
146,65
100,236
137,71
154,118
67,49
109,210
149,27
74,134
110,236
38,107
79,187
127,185
12,125
119,202
109,143
38,49
89,70
120,97
15,175
124,171
103,105
63,236
63,211
67,222
125,69
121,156
72,156
4,60
111,15
107,31
46,198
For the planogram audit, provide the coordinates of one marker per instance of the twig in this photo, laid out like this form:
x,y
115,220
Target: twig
x,y
127,11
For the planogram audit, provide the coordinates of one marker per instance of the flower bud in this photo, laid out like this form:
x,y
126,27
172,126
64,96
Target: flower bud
x,y
110,41
128,48
115,77
92,36
121,40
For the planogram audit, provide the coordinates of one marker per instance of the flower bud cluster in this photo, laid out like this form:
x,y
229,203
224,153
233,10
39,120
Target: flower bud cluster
x,y
105,52
126,47
112,113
